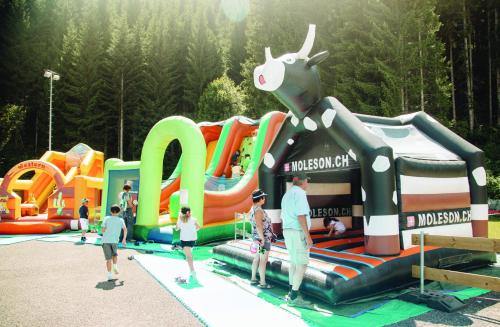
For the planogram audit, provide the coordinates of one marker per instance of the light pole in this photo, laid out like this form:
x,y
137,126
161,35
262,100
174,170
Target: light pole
x,y
53,76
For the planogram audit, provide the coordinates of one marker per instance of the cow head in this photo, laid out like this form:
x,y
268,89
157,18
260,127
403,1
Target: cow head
x,y
293,78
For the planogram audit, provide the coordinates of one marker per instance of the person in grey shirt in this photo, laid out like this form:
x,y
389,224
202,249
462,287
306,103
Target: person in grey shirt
x,y
111,228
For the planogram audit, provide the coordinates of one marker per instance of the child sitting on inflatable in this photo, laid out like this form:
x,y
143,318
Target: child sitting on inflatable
x,y
334,225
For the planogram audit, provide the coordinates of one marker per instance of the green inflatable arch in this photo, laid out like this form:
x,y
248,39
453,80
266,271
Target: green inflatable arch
x,y
194,153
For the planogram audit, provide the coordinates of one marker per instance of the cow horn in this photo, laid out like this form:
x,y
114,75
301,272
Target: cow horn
x,y
269,56
308,43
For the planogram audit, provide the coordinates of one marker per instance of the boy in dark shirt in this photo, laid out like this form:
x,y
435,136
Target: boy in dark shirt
x,y
84,218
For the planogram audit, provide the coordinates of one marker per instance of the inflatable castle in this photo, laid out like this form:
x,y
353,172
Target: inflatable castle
x,y
48,202
385,178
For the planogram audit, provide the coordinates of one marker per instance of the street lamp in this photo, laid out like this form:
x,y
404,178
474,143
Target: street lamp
x,y
53,76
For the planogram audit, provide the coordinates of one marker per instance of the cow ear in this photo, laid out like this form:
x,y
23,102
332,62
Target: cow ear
x,y
317,58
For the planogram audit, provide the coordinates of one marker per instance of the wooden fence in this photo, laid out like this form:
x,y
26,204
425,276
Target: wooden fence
x,y
455,277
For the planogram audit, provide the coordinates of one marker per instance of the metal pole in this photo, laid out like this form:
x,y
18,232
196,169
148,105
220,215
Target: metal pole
x,y
50,113
121,120
421,262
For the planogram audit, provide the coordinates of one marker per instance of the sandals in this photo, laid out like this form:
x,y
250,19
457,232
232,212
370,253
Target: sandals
x,y
265,286
254,282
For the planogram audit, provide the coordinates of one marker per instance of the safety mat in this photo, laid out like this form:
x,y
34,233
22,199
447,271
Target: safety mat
x,y
212,299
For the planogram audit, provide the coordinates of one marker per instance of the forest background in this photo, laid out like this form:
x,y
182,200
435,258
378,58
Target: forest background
x,y
150,59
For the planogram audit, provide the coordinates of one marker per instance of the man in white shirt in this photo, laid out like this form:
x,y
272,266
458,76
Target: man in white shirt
x,y
296,223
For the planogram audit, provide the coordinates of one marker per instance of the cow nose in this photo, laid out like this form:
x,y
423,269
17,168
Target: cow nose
x,y
262,80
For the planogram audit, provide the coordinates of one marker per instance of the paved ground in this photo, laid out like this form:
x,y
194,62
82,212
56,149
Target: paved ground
x,y
481,311
63,284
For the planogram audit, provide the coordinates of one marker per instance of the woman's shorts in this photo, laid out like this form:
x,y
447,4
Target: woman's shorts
x,y
110,250
296,245
84,223
267,245
187,243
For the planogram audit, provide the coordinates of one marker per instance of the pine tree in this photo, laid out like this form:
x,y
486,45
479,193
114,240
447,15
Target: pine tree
x,y
357,73
204,62
71,87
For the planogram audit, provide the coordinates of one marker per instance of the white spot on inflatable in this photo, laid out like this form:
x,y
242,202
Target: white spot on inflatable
x,y
381,164
352,154
479,176
395,198
363,195
431,119
327,117
310,124
406,118
269,160
295,120
290,141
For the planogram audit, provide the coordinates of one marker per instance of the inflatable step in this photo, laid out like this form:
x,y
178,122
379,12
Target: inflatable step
x,y
31,227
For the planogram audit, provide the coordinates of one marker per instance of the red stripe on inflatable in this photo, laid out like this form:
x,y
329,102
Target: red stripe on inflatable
x,y
332,243
372,261
313,262
357,250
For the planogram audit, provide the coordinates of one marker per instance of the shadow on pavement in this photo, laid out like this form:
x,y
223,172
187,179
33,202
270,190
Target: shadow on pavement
x,y
481,310
109,285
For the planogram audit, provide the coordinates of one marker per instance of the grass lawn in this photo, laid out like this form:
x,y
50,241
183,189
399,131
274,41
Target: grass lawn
x,y
494,227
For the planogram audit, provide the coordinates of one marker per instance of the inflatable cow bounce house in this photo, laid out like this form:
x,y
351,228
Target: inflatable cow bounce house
x,y
384,178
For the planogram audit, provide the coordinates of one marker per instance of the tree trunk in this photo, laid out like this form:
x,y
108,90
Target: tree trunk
x,y
402,91
36,132
106,141
497,67
120,141
452,75
490,87
468,68
422,106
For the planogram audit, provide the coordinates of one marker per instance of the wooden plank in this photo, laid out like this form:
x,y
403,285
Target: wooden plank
x,y
459,242
461,278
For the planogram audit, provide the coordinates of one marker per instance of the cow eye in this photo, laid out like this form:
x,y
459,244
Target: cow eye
x,y
289,60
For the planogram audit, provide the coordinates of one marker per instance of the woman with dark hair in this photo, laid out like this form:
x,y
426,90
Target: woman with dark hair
x,y
263,234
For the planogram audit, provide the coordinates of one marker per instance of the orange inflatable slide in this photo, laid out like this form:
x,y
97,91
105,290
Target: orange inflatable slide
x,y
48,202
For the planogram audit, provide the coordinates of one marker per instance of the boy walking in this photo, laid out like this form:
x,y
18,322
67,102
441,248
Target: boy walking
x,y
111,228
84,218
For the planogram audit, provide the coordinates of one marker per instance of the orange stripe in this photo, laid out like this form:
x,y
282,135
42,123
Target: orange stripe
x,y
315,263
371,261
429,202
404,253
357,250
325,233
331,243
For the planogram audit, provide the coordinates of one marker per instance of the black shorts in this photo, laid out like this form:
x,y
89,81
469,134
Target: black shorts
x,y
187,243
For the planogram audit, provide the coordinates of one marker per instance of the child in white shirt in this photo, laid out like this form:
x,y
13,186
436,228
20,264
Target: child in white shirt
x,y
334,225
189,228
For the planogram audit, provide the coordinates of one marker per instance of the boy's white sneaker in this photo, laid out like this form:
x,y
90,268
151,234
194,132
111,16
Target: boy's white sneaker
x,y
115,270
110,277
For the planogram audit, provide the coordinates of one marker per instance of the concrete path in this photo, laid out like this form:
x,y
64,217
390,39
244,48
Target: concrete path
x,y
63,284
